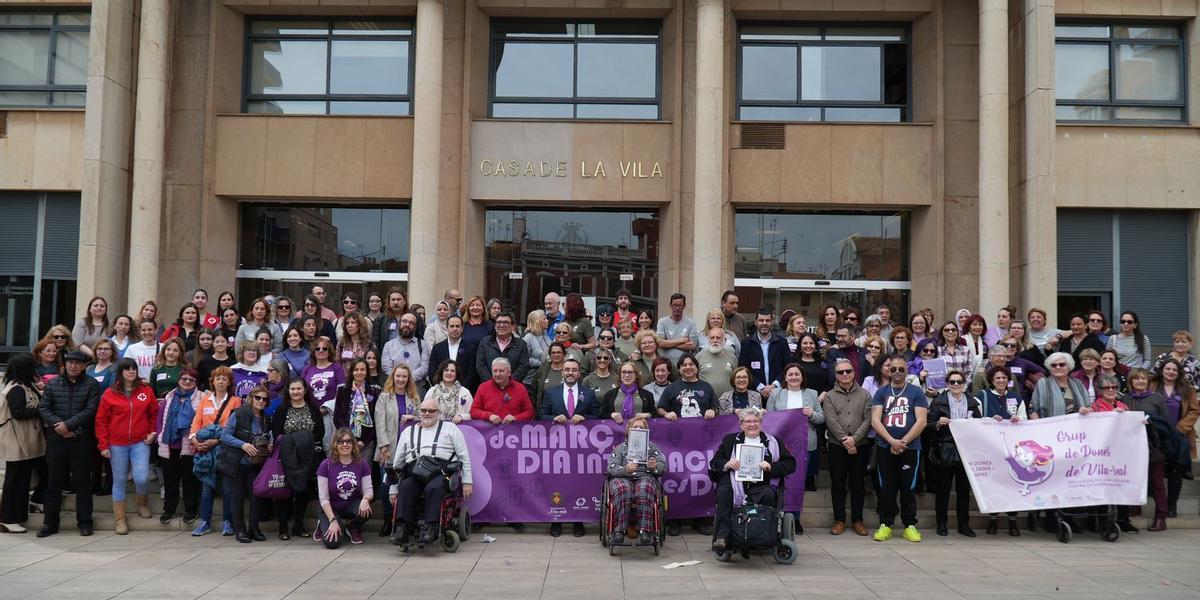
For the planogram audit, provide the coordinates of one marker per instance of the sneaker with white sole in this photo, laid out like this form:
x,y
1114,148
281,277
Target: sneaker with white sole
x,y
202,529
883,534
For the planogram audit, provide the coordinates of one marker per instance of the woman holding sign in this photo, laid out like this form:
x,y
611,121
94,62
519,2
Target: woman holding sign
x,y
633,468
735,487
1001,403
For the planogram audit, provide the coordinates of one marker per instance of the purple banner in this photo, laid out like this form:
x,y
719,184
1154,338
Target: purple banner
x,y
538,471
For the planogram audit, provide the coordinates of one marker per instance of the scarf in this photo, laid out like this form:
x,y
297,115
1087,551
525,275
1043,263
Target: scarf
x,y
628,408
447,398
1056,403
179,417
360,413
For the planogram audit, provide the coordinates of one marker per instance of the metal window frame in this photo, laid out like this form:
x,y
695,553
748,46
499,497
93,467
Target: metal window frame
x,y
291,273
328,37
574,40
1113,43
905,216
50,88
822,27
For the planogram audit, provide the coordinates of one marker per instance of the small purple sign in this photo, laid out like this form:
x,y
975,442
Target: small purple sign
x,y
539,471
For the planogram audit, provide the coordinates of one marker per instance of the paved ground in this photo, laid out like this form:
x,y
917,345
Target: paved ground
x,y
532,565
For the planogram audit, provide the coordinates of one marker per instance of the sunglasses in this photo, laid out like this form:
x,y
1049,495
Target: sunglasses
x,y
949,330
58,337
897,369
458,299
954,382
1058,366
852,318
1127,322
874,348
283,307
429,411
846,371
604,358
340,442
350,302
1108,387
260,397
321,349
1095,320
1009,345
606,338
310,304
929,351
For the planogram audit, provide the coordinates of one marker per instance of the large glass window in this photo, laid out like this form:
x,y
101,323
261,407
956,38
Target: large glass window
x,y
823,73
299,237
38,263
565,70
43,59
822,246
1119,72
359,67
530,253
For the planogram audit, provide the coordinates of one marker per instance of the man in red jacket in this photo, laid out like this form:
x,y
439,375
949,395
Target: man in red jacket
x,y
501,400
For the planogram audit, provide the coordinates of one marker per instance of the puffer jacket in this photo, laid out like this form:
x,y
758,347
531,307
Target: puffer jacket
x,y
72,403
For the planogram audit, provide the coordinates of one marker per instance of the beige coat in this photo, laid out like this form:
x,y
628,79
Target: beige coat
x,y
20,439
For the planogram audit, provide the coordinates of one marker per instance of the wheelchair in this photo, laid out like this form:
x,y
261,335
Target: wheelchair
x,y
608,513
783,545
453,526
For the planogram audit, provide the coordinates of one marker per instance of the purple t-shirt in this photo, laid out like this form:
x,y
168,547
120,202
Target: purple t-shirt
x,y
324,382
345,485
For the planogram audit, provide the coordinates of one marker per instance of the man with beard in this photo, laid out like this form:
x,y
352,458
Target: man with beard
x,y
717,362
408,349
387,326
327,313
765,353
624,301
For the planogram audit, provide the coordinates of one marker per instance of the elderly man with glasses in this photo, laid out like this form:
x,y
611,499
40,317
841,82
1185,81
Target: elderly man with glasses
x,y
444,442
847,410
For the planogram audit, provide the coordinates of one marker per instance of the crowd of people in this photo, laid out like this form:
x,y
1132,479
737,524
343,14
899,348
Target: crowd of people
x,y
203,401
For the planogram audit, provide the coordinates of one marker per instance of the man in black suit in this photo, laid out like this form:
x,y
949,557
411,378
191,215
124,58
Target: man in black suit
x,y
569,402
765,353
458,349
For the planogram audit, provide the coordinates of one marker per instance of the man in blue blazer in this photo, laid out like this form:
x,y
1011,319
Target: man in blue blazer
x,y
569,402
765,353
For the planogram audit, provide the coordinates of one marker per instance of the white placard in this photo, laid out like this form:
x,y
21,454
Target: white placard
x,y
749,456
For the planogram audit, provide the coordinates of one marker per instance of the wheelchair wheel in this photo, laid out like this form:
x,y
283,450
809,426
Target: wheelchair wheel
x,y
657,546
786,552
451,541
789,526
464,523
612,550
1064,532
1110,531
725,555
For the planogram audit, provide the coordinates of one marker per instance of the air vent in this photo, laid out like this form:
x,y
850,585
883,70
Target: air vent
x,y
763,136
3,124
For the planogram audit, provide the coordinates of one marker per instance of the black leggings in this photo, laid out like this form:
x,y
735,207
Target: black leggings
x,y
177,472
292,508
347,520
241,488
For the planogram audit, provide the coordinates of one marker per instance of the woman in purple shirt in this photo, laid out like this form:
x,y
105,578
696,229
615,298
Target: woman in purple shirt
x,y
344,491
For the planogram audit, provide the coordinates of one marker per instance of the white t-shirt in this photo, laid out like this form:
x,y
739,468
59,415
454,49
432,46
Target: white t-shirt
x,y
144,355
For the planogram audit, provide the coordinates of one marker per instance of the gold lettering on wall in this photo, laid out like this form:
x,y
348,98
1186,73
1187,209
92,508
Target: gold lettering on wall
x,y
588,169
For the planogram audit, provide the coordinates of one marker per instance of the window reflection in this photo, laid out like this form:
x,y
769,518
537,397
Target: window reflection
x,y
570,251
324,238
842,246
43,59
1119,72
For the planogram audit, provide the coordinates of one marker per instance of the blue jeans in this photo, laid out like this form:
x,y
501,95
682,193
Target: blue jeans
x,y
206,501
121,457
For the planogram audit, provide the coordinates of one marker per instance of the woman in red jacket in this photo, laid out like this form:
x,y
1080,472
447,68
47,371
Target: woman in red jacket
x,y
124,432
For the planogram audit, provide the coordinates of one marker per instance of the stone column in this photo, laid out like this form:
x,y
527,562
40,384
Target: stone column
x,y
709,184
1038,267
145,219
423,276
103,201
993,156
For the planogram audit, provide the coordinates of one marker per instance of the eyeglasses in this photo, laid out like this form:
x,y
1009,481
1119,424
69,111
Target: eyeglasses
x,y
844,371
186,379
350,302
504,323
561,332
1058,366
321,349
458,299
310,303
1108,387
949,330
873,347
897,369
929,351
340,442
1127,321
851,318
1095,320
260,397
604,358
954,382
429,411
1009,345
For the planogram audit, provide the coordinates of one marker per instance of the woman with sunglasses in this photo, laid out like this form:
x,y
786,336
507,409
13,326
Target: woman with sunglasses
x,y
299,429
1108,400
606,338
344,492
1097,324
998,401
173,424
1132,346
124,432
312,308
60,337
628,398
323,376
954,350
22,442
283,312
602,379
954,403
258,318
351,306
1182,412
1143,398
246,443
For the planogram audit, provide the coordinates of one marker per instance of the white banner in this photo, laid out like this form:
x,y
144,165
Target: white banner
x,y
1057,462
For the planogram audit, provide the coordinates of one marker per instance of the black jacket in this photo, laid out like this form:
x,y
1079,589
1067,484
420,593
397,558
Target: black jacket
x,y
940,407
517,354
440,353
1089,341
382,328
778,355
230,459
280,417
299,458
72,403
781,466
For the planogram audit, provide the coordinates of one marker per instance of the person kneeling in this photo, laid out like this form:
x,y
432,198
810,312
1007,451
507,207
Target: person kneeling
x,y
631,488
777,463
423,451
345,492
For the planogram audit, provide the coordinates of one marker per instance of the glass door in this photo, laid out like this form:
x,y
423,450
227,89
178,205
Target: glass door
x,y
809,297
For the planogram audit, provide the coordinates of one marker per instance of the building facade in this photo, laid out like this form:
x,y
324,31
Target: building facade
x,y
917,153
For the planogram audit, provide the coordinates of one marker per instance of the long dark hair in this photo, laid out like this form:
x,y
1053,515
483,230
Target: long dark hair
x,y
1138,337
575,308
816,346
87,316
20,369
179,319
119,381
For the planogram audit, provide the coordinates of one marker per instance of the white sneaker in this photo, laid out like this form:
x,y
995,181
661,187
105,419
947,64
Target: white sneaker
x,y
12,528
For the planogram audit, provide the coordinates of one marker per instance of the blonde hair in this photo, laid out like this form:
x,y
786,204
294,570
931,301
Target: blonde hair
x,y
410,390
535,322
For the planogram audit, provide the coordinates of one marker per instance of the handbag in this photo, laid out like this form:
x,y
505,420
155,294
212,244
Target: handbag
x,y
262,447
271,482
425,467
944,453
754,526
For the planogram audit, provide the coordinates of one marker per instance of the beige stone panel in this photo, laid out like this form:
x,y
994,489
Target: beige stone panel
x,y
1146,8
75,151
51,144
1068,7
102,232
116,118
526,141
339,160
184,149
387,168
1182,180
755,175
189,84
857,163
928,275
961,82
226,65
961,251
1102,7
1105,182
907,164
16,161
290,158
1146,169
962,158
918,6
961,23
806,171
1179,8
592,142
241,156
647,144
452,81
181,237
1070,160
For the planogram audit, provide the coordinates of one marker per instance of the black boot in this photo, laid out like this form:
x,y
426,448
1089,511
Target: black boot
x,y
399,534
991,527
1013,530
942,530
1127,527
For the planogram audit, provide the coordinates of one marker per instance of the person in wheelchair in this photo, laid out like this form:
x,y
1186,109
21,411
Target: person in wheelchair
x,y
425,450
777,463
632,488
